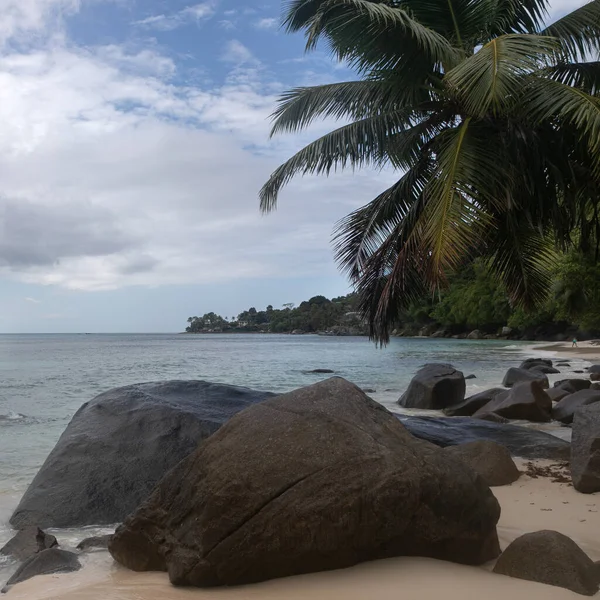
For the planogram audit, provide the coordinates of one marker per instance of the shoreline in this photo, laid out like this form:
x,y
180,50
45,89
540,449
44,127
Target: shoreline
x,y
584,350
529,504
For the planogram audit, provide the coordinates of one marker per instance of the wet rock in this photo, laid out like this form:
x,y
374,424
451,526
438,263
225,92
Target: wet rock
x,y
96,542
565,409
476,335
435,386
514,376
557,394
321,371
531,363
27,542
552,558
119,445
595,386
521,441
585,449
595,376
46,562
545,370
594,369
573,385
320,478
491,460
473,403
471,377
525,400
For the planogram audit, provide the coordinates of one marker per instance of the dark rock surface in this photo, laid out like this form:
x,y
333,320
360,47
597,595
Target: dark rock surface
x,y
435,386
473,403
320,478
595,386
557,393
96,542
45,563
525,400
565,409
321,371
594,369
514,376
491,460
545,370
552,558
118,446
585,449
531,363
573,385
521,441
27,542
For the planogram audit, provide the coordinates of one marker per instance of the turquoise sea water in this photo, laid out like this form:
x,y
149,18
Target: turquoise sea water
x,y
44,379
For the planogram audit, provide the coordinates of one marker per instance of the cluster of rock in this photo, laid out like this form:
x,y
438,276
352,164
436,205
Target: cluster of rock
x,y
39,554
221,485
525,395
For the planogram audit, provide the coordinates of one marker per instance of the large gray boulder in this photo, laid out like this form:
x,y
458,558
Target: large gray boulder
x,y
594,369
120,444
557,394
491,460
521,441
473,403
320,478
565,409
585,449
552,558
514,376
435,386
46,562
28,541
525,400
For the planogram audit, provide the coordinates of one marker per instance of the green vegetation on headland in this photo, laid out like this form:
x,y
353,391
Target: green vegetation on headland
x,y
473,300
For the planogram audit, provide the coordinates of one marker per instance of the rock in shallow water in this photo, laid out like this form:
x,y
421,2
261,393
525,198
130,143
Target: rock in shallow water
x,y
45,563
27,542
435,386
521,441
118,446
95,543
473,403
514,376
319,478
526,400
552,558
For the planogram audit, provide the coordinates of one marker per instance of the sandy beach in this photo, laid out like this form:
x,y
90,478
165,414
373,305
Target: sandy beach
x,y
529,504
585,350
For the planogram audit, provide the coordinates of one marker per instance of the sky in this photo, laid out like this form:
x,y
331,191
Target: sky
x,y
134,138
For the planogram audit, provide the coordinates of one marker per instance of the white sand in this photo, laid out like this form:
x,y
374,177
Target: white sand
x,y
584,350
527,505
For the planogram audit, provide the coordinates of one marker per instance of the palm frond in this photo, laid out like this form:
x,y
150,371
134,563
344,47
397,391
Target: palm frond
x,y
357,144
518,16
584,75
299,107
578,31
492,79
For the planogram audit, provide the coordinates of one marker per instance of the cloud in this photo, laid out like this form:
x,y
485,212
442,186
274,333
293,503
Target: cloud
x,y
236,52
186,16
267,23
33,300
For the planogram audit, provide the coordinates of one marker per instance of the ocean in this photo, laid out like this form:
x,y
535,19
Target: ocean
x,y
44,379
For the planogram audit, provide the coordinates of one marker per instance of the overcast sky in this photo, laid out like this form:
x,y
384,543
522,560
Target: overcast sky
x,y
133,143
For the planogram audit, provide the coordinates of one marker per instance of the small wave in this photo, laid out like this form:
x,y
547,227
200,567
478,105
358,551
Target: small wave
x,y
12,416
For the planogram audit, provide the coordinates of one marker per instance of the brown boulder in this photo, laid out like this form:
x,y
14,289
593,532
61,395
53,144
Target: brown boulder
x,y
515,376
557,394
492,461
566,408
552,558
525,400
573,385
473,403
585,449
320,478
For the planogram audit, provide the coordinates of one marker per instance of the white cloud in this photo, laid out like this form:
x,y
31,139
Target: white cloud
x,y
32,300
236,52
168,22
267,23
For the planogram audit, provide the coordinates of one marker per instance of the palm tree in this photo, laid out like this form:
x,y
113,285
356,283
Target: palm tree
x,y
490,117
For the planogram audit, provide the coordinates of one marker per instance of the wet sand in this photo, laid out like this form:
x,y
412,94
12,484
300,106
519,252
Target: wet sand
x,y
583,350
529,504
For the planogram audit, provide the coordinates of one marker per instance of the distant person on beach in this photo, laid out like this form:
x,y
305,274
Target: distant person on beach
x,y
574,344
